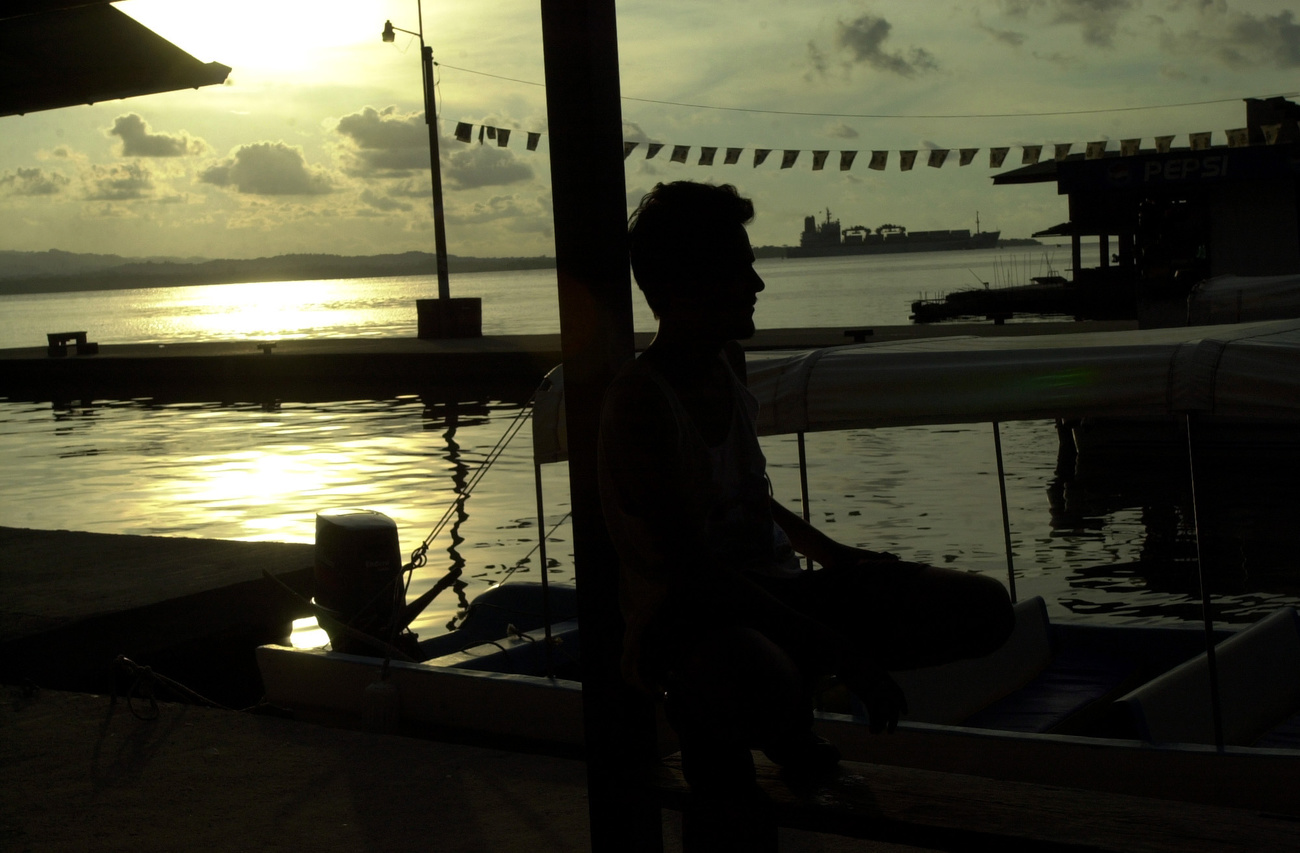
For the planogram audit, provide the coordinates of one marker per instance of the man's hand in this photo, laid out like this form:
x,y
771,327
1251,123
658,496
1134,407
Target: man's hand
x,y
881,695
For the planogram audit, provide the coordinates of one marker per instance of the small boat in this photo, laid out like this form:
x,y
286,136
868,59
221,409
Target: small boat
x,y
1195,713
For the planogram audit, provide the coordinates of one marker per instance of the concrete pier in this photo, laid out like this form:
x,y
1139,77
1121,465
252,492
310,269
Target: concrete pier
x,y
500,366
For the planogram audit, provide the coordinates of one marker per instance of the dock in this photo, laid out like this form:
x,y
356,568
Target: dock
x,y
71,602
504,367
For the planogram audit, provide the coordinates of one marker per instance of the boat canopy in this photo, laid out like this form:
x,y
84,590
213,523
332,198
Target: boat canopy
x,y
1235,298
1245,370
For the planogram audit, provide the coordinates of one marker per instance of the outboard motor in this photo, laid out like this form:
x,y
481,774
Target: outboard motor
x,y
358,567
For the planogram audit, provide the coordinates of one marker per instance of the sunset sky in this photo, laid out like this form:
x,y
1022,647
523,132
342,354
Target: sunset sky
x,y
317,142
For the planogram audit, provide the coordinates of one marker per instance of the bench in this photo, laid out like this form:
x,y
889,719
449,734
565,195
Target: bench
x,y
1259,690
948,811
58,343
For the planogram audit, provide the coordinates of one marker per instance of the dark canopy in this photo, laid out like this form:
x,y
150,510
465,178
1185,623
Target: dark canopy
x,y
60,53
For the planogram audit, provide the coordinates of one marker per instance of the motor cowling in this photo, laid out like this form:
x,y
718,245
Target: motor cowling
x,y
357,569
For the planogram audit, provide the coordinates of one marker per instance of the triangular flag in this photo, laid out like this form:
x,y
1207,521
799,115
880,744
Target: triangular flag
x,y
1129,147
967,156
878,160
533,139
788,157
1271,133
503,137
1063,150
1199,141
733,156
1030,155
905,160
937,157
846,160
1238,137
706,155
760,154
464,131
629,147
491,132
1163,143
819,160
996,156
652,148
679,153
1095,150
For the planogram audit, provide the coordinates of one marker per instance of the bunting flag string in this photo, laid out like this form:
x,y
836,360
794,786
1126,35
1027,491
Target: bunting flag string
x,y
1238,137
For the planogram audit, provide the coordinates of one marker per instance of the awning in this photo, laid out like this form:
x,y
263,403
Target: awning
x,y
1241,370
52,57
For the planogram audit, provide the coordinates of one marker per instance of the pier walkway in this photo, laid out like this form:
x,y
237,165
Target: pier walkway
x,y
500,366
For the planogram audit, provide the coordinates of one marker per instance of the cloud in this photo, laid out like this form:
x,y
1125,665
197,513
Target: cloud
x,y
484,166
1098,19
118,182
1238,40
864,39
1012,38
33,182
384,141
840,131
137,141
384,203
268,168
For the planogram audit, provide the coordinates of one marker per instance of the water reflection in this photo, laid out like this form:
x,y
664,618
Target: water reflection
x,y
1101,541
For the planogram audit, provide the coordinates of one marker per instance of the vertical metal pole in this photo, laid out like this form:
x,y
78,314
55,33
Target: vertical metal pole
x,y
541,554
580,48
1207,616
435,163
803,484
1006,517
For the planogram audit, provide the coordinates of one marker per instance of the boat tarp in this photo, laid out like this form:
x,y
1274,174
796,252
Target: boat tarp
x,y
1243,298
1247,370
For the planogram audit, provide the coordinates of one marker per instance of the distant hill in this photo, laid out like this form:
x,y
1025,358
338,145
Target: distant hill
x,y
54,271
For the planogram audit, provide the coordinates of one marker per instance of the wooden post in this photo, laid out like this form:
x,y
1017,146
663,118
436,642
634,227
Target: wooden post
x,y
587,188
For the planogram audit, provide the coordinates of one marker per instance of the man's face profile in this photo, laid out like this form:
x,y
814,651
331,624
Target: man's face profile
x,y
723,292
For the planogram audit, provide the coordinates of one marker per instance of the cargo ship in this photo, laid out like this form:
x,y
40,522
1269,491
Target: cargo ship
x,y
827,239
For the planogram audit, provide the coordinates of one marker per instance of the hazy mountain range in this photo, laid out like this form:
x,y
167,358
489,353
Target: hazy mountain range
x,y
55,271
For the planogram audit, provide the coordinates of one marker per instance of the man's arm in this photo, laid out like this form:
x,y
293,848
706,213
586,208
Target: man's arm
x,y
811,542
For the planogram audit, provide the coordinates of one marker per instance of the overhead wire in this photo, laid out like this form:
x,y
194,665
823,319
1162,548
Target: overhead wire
x,y
810,114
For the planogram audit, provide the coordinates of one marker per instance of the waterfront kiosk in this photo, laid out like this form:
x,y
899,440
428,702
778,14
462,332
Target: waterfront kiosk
x,y
1180,215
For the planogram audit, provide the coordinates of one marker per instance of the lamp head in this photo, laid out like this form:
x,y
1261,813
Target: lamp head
x,y
389,35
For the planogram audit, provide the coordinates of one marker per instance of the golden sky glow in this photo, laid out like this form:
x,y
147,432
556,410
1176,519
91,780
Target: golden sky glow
x,y
317,143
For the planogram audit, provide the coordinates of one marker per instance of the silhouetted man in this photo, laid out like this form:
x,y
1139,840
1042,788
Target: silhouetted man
x,y
722,622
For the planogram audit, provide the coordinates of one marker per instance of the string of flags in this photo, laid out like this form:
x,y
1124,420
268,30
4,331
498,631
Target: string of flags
x,y
879,160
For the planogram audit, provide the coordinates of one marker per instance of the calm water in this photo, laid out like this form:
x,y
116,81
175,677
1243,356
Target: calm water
x,y
262,472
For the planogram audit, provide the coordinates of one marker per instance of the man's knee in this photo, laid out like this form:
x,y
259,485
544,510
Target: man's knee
x,y
990,607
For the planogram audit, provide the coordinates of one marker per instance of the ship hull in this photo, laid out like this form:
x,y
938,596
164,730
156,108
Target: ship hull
x,y
983,240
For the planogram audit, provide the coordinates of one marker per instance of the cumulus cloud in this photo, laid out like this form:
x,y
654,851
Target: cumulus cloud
x,y
384,141
864,40
268,168
384,203
118,182
484,166
33,182
139,141
1011,38
1097,19
1238,40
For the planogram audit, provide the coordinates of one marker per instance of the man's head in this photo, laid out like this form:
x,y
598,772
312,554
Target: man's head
x,y
689,250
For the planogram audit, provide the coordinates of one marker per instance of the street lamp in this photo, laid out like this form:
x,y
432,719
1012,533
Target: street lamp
x,y
431,119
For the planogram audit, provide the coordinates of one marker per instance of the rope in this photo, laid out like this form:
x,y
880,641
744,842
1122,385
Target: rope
x,y
143,686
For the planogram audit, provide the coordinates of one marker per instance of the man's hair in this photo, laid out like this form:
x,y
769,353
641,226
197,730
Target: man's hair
x,y
676,229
